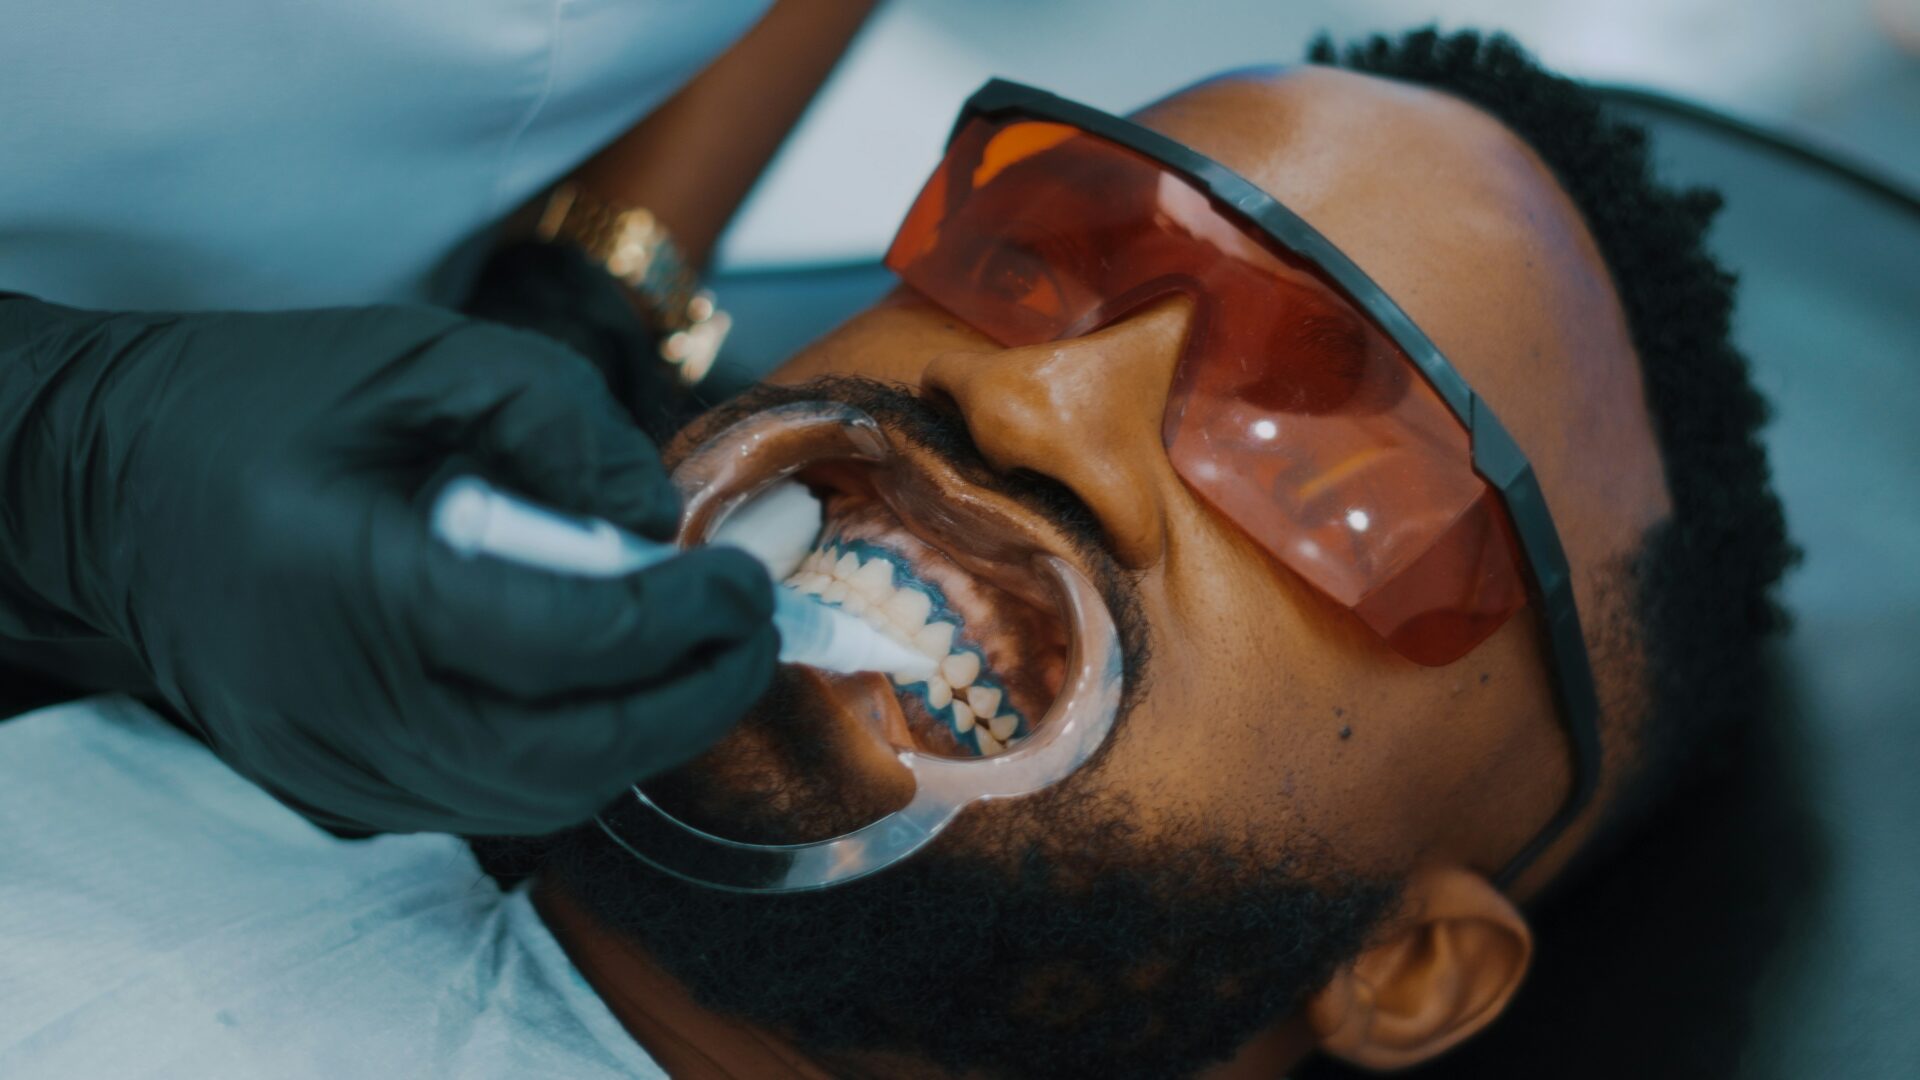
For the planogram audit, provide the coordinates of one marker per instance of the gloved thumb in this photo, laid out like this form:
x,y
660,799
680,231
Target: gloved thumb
x,y
541,420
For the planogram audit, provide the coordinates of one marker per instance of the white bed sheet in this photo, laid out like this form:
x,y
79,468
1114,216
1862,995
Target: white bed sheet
x,y
160,917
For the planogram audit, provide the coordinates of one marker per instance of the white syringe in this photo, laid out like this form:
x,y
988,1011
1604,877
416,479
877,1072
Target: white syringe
x,y
472,516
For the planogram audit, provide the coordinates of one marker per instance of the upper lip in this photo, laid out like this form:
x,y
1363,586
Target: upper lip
x,y
987,533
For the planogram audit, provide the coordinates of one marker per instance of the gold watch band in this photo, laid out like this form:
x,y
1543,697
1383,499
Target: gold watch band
x,y
637,249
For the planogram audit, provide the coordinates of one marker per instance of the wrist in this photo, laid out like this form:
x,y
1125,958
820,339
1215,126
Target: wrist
x,y
59,369
632,245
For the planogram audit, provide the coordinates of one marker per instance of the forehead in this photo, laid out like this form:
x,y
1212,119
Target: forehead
x,y
1449,211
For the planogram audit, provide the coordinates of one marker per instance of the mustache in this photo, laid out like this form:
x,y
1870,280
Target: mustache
x,y
931,424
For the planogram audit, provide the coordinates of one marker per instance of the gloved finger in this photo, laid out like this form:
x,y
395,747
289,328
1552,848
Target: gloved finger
x,y
540,419
520,768
671,723
530,633
577,757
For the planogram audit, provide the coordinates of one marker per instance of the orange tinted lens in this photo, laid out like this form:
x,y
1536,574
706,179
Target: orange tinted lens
x,y
1292,413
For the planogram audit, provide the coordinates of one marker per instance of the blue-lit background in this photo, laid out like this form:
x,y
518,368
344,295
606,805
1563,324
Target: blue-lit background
x,y
1830,69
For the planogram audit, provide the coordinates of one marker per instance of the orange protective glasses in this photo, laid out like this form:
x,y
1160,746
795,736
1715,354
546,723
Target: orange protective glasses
x,y
1307,408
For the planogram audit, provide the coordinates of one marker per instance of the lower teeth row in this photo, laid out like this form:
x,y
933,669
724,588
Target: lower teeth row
x,y
971,707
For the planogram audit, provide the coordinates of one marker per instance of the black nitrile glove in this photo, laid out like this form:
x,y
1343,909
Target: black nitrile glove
x,y
237,499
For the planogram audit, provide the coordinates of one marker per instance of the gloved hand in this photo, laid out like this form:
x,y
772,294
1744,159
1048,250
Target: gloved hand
x,y
236,498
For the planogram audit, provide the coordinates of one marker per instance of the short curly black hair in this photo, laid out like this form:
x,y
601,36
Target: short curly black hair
x,y
1703,585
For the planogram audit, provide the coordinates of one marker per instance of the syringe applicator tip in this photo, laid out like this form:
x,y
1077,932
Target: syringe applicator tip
x,y
825,637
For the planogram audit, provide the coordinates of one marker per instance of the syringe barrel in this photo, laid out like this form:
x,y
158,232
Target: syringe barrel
x,y
472,516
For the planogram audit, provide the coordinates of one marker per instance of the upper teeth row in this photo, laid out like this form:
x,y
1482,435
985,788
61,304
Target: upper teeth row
x,y
865,588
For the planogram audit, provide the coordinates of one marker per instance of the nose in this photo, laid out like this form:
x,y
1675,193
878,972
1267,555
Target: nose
x,y
1085,412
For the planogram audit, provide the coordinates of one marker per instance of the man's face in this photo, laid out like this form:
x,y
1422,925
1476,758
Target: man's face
x,y
1269,709
1269,727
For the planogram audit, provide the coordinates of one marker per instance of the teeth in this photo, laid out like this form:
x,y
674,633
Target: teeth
x,y
983,700
939,694
866,589
961,668
935,640
909,608
874,579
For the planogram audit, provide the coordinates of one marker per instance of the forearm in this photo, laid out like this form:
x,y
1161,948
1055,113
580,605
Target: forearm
x,y
693,160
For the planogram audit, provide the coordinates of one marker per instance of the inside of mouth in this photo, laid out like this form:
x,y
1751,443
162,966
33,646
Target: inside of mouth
x,y
1002,659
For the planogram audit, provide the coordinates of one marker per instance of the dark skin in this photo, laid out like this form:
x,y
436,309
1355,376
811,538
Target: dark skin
x,y
1437,775
693,160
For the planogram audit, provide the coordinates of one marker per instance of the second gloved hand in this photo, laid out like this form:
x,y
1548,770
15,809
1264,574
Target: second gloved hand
x,y
234,497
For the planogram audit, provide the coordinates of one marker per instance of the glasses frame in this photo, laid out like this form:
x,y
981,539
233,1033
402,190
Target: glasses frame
x,y
1497,459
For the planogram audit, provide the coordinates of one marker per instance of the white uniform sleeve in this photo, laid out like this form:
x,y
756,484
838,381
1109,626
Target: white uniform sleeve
x,y
259,154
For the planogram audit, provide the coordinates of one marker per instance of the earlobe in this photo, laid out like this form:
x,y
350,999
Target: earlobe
x,y
1445,972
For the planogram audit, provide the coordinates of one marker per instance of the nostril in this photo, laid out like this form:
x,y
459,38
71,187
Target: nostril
x,y
957,384
1006,419
941,400
1079,419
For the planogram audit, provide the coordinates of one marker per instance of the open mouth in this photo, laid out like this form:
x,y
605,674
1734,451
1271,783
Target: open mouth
x,y
895,532
930,559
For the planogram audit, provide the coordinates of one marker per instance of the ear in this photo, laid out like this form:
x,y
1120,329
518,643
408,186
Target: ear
x,y
1448,969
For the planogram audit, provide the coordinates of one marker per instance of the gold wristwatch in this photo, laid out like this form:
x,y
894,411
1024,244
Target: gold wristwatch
x,y
636,248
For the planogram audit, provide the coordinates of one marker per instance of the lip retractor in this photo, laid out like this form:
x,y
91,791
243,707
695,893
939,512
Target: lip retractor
x,y
727,471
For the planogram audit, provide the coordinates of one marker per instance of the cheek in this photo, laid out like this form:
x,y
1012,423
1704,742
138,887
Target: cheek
x,y
1272,714
1241,708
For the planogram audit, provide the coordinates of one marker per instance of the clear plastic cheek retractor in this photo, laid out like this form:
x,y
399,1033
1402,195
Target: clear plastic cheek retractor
x,y
746,460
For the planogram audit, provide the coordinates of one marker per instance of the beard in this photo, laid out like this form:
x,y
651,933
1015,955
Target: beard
x,y
1046,936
